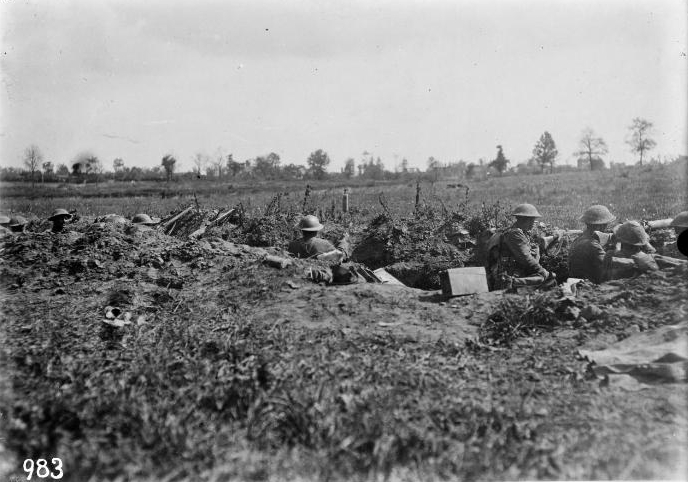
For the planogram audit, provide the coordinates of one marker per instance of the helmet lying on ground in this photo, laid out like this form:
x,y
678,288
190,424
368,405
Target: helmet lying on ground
x,y
143,219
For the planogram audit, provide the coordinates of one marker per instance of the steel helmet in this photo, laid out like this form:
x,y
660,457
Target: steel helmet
x,y
526,211
4,219
681,220
143,219
59,212
18,221
597,214
631,232
310,223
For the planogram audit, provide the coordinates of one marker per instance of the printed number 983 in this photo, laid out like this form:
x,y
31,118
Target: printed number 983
x,y
42,469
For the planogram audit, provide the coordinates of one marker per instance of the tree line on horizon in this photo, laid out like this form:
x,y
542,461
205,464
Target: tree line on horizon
x,y
87,167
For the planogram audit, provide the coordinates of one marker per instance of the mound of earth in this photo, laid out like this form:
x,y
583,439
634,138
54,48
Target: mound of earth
x,y
418,249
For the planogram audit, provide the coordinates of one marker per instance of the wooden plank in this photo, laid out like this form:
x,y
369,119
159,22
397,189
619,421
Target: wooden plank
x,y
387,278
464,281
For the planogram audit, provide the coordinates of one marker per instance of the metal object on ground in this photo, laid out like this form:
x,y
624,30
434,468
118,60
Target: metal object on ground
x,y
464,281
387,278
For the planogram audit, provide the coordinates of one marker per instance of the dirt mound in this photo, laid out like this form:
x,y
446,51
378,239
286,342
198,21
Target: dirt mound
x,y
418,249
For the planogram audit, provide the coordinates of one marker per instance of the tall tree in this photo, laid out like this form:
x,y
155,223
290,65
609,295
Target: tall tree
x,y
591,146
500,161
233,166
47,170
349,168
168,162
545,152
640,140
32,160
317,163
219,161
118,166
267,167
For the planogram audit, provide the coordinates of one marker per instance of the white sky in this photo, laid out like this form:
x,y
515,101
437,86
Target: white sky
x,y
405,78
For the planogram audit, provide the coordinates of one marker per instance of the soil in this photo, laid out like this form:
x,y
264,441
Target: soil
x,y
402,379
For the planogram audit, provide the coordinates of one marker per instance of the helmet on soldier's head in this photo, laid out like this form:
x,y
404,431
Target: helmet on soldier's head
x,y
597,214
17,221
681,220
526,211
631,232
143,219
59,213
310,223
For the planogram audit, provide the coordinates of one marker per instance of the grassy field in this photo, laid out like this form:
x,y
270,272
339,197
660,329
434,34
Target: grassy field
x,y
233,370
651,192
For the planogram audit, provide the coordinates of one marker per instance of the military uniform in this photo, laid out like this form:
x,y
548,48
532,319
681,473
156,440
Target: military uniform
x,y
309,248
586,256
623,264
513,256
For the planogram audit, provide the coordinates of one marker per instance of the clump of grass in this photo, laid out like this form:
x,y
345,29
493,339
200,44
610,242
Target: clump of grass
x,y
518,316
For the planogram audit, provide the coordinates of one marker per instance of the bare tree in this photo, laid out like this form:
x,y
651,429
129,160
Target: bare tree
x,y
640,140
591,146
32,160
219,161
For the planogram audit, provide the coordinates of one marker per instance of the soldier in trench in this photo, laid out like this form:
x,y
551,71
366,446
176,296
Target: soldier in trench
x,y
513,259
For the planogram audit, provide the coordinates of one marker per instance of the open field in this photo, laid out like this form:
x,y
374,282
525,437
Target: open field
x,y
233,370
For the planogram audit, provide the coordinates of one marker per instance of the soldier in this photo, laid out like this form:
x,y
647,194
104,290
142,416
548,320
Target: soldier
x,y
58,219
680,224
310,246
631,260
17,224
4,224
512,258
586,257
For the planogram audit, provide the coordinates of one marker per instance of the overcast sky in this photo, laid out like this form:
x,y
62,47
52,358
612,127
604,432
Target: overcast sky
x,y
402,78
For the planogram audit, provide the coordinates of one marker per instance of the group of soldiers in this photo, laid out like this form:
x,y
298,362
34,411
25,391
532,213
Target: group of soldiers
x,y
598,254
17,224
513,255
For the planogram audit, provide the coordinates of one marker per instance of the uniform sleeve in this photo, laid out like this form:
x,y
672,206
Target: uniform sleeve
x,y
597,254
519,246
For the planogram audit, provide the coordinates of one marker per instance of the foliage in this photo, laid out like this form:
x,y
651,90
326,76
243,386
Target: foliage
x,y
639,139
317,163
545,151
500,162
168,163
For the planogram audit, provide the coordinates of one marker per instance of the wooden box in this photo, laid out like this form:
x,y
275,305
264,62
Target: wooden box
x,y
464,281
